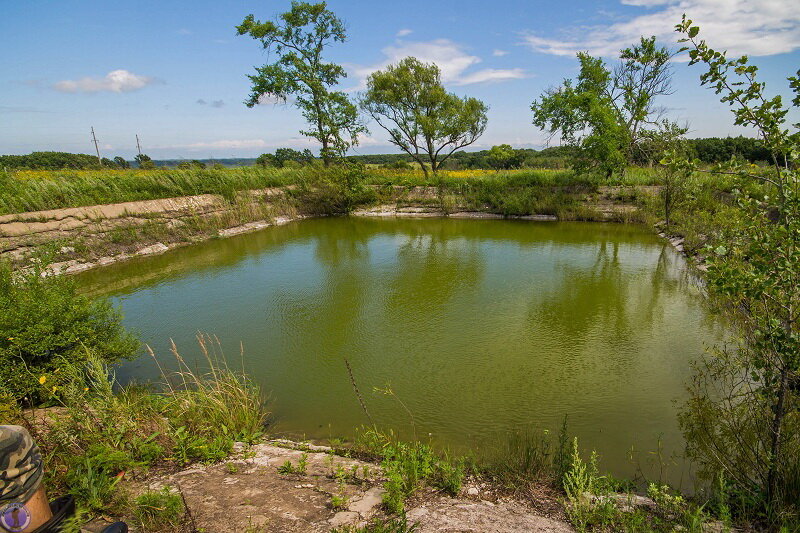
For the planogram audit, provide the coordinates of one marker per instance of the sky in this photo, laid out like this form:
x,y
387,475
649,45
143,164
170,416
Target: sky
x,y
175,72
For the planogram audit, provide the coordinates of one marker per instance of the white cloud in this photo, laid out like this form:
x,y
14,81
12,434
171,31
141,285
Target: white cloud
x,y
227,144
368,140
116,81
243,144
450,57
492,74
499,53
404,32
184,31
754,27
268,99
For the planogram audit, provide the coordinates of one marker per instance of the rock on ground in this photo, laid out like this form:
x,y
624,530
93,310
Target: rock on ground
x,y
459,515
247,493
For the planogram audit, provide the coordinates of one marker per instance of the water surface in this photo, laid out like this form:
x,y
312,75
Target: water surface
x,y
480,327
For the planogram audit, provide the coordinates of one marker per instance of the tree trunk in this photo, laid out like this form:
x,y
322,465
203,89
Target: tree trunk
x,y
326,158
775,447
667,206
424,169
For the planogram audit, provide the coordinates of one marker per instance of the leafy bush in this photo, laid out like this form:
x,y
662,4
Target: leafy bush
x,y
335,190
45,322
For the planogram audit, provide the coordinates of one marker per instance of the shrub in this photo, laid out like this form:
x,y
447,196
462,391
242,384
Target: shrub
x,y
43,320
335,190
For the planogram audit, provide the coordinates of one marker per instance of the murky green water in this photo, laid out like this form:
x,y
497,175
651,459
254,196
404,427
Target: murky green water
x,y
480,327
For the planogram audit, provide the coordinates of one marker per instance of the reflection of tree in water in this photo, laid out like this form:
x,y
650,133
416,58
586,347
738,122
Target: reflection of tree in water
x,y
324,319
606,299
431,267
428,267
343,243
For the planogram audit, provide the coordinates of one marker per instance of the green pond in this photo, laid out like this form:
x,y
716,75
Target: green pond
x,y
480,327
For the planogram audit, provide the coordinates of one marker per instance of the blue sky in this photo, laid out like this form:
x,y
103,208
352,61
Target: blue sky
x,y
175,72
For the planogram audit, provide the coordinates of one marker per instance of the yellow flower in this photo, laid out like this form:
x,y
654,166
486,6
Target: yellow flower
x,y
85,389
42,380
54,388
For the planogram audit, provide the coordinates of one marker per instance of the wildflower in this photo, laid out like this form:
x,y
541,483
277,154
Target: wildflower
x,y
54,389
85,389
42,380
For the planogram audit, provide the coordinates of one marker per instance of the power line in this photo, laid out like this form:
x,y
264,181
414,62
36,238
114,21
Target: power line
x,y
96,149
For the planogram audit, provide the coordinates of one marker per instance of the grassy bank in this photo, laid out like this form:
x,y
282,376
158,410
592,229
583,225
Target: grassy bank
x,y
23,191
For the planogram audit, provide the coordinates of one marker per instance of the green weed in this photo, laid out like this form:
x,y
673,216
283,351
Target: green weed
x,y
159,510
288,468
391,525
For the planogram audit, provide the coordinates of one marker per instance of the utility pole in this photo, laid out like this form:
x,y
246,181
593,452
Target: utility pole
x,y
138,146
96,149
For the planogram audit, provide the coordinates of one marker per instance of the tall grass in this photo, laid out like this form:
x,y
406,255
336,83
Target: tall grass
x,y
215,400
103,431
36,190
40,190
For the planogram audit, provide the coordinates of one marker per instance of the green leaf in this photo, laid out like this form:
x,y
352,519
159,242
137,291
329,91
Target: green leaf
x,y
693,31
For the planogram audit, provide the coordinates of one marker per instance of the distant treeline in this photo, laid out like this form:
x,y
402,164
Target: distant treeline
x,y
719,149
708,150
55,161
502,156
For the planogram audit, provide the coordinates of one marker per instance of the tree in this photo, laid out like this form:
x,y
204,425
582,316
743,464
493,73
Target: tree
x,y
743,418
503,156
283,156
298,39
674,180
121,162
409,101
267,160
606,114
144,161
53,161
193,164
